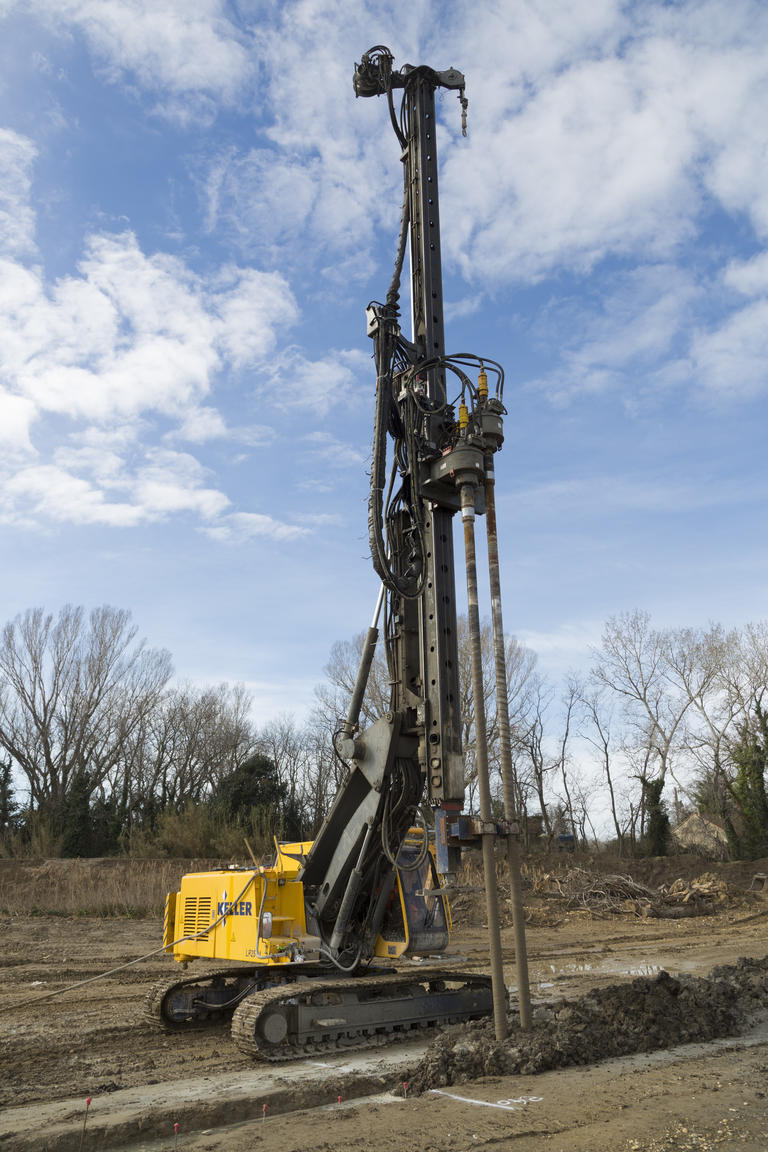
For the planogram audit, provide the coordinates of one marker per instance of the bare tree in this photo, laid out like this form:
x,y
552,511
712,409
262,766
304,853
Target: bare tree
x,y
333,697
571,697
539,763
73,692
637,662
698,658
727,685
301,757
325,772
583,793
596,729
341,672
185,745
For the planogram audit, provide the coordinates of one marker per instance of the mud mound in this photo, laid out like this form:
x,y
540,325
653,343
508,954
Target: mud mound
x,y
620,1020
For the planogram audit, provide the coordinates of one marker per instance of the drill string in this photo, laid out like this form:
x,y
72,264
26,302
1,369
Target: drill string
x,y
138,960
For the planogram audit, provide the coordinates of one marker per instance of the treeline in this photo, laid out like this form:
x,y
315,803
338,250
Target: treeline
x,y
665,723
115,758
681,713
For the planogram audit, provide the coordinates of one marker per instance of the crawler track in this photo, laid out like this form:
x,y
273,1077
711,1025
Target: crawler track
x,y
200,1000
314,1017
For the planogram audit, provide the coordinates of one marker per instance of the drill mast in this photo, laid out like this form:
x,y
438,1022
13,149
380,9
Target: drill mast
x,y
427,463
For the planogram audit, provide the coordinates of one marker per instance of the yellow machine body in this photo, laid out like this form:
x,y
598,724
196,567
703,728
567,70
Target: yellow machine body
x,y
256,915
249,915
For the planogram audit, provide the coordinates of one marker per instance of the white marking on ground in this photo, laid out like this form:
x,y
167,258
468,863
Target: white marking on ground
x,y
505,1105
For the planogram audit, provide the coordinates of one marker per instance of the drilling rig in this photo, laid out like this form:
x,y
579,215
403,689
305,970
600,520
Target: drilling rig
x,y
308,944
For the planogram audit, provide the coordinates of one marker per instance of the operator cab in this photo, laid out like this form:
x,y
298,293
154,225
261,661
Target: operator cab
x,y
417,921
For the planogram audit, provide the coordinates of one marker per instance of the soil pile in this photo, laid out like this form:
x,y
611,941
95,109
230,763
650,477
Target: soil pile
x,y
641,1016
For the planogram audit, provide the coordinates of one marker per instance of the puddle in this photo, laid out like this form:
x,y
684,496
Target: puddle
x,y
545,976
615,967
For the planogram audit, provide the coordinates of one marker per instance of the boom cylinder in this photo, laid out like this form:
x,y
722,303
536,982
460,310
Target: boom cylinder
x,y
350,895
364,670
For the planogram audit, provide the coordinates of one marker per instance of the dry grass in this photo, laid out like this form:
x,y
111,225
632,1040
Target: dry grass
x,y
138,887
109,887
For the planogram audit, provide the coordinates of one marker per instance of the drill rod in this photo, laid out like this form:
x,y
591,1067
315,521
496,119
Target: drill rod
x,y
481,739
505,741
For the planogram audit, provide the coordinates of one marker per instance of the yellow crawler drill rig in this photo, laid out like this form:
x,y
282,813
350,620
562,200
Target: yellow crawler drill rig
x,y
305,950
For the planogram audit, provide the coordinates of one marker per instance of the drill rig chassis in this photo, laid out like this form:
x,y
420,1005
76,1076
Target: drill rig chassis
x,y
300,1011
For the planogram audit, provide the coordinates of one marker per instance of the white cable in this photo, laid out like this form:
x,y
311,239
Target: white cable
x,y
138,960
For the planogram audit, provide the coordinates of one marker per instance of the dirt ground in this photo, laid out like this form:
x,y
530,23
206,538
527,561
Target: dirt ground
x,y
91,1043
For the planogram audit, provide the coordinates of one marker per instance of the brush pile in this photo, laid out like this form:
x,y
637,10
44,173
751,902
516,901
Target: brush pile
x,y
610,895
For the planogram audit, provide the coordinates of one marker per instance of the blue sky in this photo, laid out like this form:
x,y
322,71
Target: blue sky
x,y
194,212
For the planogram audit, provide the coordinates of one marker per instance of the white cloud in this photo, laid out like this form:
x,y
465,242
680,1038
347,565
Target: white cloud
x,y
289,202
240,526
126,335
595,130
317,385
468,306
731,360
173,482
92,483
596,161
103,463
321,519
205,423
750,277
132,334
262,194
16,416
200,424
128,343
598,131
523,44
332,451
331,170
654,329
249,305
192,53
255,435
17,220
47,492
620,340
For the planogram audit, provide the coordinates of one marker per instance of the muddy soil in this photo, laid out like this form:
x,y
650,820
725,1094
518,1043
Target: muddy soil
x,y
646,1015
91,1041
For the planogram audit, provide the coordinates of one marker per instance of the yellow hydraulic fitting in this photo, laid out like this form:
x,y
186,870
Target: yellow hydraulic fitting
x,y
463,416
482,383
